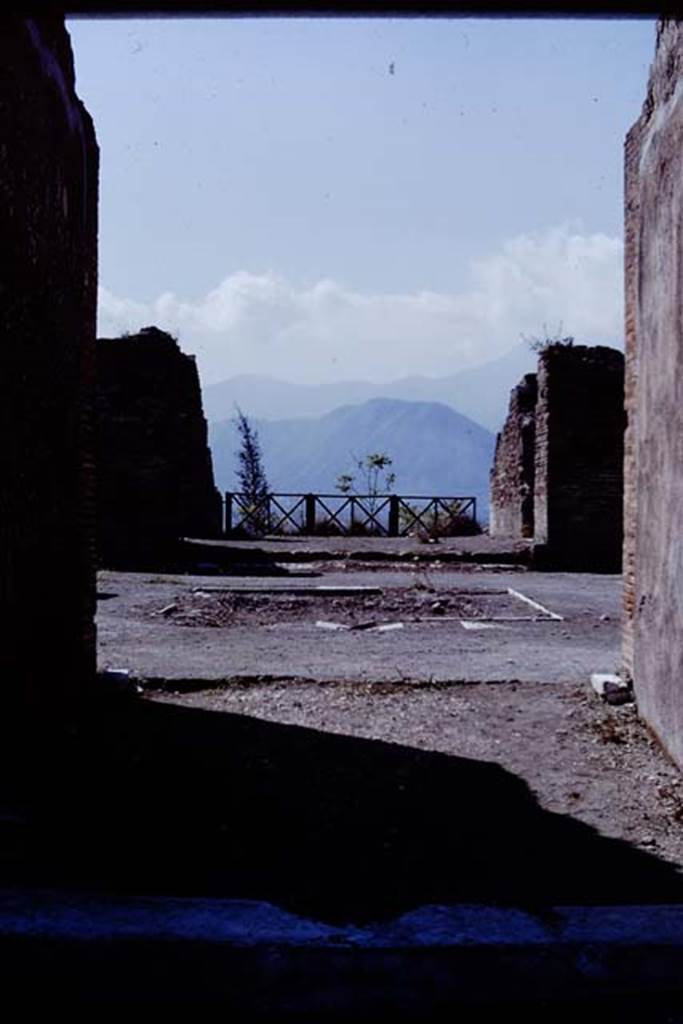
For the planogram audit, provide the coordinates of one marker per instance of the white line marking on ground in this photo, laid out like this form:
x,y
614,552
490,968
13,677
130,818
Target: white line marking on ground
x,y
536,605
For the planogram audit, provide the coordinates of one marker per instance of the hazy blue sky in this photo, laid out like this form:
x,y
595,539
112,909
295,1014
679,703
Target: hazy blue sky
x,y
363,198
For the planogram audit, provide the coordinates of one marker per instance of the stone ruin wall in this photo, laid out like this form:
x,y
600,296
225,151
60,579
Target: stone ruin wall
x,y
653,506
579,457
155,479
48,216
512,474
557,474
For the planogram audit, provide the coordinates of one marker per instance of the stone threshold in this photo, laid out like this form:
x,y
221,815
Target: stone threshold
x,y
256,957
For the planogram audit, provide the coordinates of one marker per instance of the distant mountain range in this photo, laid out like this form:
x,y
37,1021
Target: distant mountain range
x,y
481,394
435,450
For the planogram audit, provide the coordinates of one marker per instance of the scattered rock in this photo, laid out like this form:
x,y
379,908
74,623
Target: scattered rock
x,y
612,688
617,695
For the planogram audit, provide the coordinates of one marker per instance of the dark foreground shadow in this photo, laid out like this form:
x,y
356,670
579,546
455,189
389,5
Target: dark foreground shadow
x,y
198,558
145,797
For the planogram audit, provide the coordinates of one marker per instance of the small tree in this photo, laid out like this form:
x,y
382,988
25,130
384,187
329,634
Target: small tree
x,y
375,476
251,475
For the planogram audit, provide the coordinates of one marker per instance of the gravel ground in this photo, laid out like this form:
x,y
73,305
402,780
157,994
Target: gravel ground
x,y
144,620
580,757
420,692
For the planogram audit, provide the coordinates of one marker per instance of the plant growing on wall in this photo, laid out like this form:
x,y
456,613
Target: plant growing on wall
x,y
547,339
251,474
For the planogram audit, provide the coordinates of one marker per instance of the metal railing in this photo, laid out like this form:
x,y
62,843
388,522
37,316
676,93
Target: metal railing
x,y
379,515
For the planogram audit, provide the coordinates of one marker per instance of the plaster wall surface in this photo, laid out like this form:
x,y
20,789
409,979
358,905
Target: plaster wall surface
x,y
48,223
155,476
512,474
653,630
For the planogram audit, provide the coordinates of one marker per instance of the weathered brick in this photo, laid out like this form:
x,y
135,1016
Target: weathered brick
x,y
512,474
558,468
154,476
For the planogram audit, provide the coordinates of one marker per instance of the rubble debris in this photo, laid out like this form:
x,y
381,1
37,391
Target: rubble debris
x,y
297,591
612,688
617,695
168,609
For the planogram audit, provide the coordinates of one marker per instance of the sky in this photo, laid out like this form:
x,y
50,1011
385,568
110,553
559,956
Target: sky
x,y
328,199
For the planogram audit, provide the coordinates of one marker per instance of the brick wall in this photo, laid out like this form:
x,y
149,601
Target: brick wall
x,y
653,551
631,232
512,474
155,476
580,423
48,224
557,474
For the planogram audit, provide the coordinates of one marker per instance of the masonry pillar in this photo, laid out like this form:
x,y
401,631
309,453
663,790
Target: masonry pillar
x,y
578,494
512,473
155,480
48,225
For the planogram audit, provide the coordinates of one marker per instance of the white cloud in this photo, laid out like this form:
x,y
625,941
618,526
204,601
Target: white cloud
x,y
263,323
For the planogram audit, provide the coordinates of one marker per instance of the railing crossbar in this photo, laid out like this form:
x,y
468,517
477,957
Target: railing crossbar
x,y
382,514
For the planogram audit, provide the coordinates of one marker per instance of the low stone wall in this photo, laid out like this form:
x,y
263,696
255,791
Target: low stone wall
x,y
653,507
512,474
154,476
48,224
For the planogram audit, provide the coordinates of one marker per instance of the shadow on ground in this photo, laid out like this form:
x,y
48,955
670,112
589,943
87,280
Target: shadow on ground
x,y
146,797
199,558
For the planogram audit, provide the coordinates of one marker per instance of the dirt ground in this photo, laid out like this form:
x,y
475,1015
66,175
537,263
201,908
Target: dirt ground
x,y
457,623
514,693
580,757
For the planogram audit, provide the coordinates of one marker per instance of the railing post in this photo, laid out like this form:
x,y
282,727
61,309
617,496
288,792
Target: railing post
x,y
393,515
227,528
474,510
310,513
